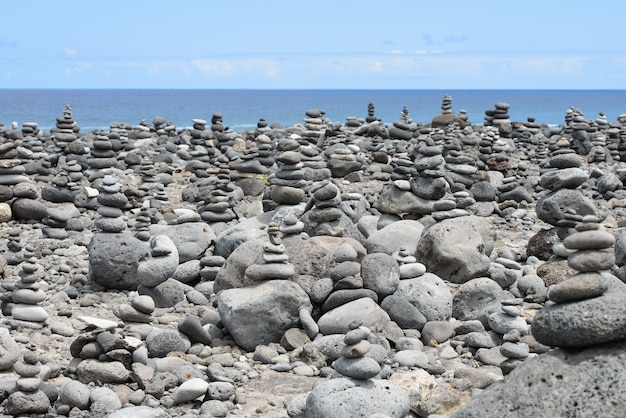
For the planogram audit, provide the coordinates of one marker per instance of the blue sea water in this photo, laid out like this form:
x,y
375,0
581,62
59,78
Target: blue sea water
x,y
241,109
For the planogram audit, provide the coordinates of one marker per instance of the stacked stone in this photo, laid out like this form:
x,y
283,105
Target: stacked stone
x,y
217,124
499,115
599,141
324,208
139,310
143,220
248,171
27,398
584,294
262,126
403,128
199,131
210,265
291,226
28,294
66,130
30,129
264,150
13,181
61,221
342,162
510,190
275,264
287,183
15,253
354,362
102,154
314,120
563,178
460,169
513,348
485,146
430,183
111,202
403,167
447,116
217,206
410,268
345,283
352,122
313,163
579,128
154,274
371,113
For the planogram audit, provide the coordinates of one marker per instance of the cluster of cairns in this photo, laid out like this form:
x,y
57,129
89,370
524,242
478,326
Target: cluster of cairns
x,y
360,285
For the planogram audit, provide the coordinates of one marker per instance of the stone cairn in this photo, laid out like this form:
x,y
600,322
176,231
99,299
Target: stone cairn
x,y
275,263
410,268
66,130
343,161
102,155
28,294
513,348
111,202
403,128
447,116
288,182
217,206
27,397
584,293
354,362
345,283
154,274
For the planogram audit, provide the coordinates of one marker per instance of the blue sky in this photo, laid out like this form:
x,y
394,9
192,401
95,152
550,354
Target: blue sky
x,y
321,44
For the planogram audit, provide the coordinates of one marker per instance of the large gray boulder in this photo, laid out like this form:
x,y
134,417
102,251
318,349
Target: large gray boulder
x,y
429,294
114,259
552,207
457,249
365,310
582,323
477,299
380,273
260,314
344,397
405,233
559,383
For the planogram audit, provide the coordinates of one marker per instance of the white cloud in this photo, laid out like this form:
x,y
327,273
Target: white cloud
x,y
70,53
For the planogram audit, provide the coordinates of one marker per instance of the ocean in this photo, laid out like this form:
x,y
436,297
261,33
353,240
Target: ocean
x,y
242,109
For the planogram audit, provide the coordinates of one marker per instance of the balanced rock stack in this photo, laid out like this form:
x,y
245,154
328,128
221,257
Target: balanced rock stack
x,y
111,202
28,294
249,170
275,264
342,161
500,119
102,154
371,113
66,130
139,310
403,168
403,128
584,312
199,131
314,123
30,129
579,128
429,183
323,215
345,283
357,393
291,226
563,178
217,124
410,268
218,202
27,398
313,163
447,116
513,348
287,183
599,141
154,274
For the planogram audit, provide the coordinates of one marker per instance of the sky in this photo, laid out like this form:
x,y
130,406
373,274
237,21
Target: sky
x,y
322,44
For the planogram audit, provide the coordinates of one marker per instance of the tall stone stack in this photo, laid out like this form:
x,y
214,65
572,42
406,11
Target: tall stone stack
x,y
102,154
275,263
288,182
447,116
28,294
27,398
583,311
66,130
217,205
403,128
112,203
371,113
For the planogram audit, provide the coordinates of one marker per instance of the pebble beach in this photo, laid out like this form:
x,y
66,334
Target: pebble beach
x,y
354,268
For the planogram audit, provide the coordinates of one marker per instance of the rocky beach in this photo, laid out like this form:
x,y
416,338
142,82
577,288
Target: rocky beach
x,y
472,266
